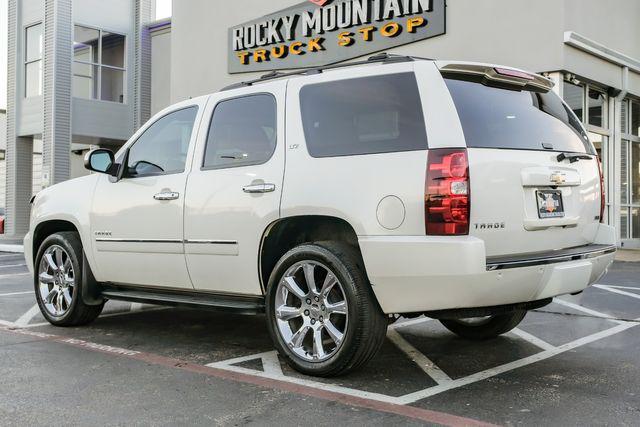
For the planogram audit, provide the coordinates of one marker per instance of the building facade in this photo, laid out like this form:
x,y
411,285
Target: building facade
x,y
101,68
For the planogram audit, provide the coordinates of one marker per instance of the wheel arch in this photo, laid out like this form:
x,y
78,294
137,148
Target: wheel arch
x,y
48,227
286,233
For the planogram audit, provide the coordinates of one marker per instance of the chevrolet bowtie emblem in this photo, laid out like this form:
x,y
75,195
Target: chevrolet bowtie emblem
x,y
558,178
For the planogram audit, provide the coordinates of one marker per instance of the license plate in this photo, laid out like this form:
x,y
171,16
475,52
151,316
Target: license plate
x,y
550,204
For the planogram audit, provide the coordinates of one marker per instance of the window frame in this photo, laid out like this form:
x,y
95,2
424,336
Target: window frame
x,y
130,146
26,62
100,65
209,128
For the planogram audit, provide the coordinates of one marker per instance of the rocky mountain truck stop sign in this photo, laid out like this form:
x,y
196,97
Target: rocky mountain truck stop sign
x,y
322,32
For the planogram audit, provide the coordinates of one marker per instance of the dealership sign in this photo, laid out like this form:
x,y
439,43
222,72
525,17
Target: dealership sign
x,y
321,32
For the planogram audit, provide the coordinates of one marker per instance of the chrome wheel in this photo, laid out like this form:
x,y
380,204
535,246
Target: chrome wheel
x,y
56,280
311,311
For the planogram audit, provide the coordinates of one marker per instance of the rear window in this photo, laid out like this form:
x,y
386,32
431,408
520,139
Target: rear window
x,y
494,117
366,115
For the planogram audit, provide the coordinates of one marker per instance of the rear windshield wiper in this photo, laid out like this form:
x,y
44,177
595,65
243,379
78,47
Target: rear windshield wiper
x,y
572,157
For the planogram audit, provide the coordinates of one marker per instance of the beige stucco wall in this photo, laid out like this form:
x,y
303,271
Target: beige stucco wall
x,y
523,33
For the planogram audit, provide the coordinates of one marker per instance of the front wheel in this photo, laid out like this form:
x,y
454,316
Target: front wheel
x,y
322,315
484,328
58,279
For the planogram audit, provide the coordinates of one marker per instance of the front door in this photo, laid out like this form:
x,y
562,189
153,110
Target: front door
x,y
234,190
137,222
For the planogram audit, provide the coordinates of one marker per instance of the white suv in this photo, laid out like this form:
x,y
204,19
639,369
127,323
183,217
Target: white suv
x,y
334,200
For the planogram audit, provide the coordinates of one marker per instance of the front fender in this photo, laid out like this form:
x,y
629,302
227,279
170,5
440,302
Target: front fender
x,y
70,202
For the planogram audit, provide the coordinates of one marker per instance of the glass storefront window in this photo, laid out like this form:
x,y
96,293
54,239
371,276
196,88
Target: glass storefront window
x,y
635,118
635,223
597,108
574,97
635,173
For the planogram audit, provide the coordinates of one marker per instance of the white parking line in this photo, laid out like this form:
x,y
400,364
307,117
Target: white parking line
x,y
617,291
26,273
427,366
586,310
12,265
228,365
26,318
620,287
10,294
423,394
533,339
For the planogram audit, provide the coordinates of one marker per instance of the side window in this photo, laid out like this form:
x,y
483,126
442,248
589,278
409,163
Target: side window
x,y
242,132
366,115
162,148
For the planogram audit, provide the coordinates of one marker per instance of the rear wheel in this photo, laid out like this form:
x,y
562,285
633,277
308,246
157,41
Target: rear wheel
x,y
58,279
484,328
322,314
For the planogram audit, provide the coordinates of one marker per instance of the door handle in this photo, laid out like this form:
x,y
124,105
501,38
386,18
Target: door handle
x,y
167,195
259,188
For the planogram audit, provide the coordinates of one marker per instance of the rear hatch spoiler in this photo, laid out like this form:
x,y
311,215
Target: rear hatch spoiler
x,y
497,75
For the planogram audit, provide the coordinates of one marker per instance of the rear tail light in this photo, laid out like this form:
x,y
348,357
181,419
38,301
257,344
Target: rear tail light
x,y
602,193
447,192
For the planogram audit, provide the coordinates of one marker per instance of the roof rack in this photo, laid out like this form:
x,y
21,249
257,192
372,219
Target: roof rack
x,y
381,58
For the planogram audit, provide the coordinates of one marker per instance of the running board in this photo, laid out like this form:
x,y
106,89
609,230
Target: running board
x,y
237,304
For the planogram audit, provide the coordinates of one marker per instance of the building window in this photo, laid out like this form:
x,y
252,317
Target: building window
x,y
597,108
635,118
574,96
98,64
33,61
630,170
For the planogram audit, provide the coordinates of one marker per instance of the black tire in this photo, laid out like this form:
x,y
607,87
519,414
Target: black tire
x,y
367,324
77,313
489,328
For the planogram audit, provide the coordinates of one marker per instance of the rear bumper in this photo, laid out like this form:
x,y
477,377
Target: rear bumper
x,y
415,273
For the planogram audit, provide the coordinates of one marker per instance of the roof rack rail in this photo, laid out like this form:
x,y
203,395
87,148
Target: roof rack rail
x,y
382,58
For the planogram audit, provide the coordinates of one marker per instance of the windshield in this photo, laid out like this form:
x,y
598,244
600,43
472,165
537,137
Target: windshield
x,y
495,117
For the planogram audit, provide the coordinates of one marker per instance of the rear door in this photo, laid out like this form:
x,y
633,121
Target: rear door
x,y
524,196
233,193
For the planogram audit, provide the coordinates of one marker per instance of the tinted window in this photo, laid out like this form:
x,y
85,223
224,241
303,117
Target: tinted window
x,y
242,132
363,116
503,118
163,147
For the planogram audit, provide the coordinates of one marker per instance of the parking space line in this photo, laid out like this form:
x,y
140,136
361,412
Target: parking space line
x,y
102,316
271,363
533,339
26,273
633,288
11,294
617,291
492,372
427,366
587,310
26,317
12,265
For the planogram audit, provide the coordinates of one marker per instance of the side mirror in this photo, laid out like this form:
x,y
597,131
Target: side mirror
x,y
101,160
